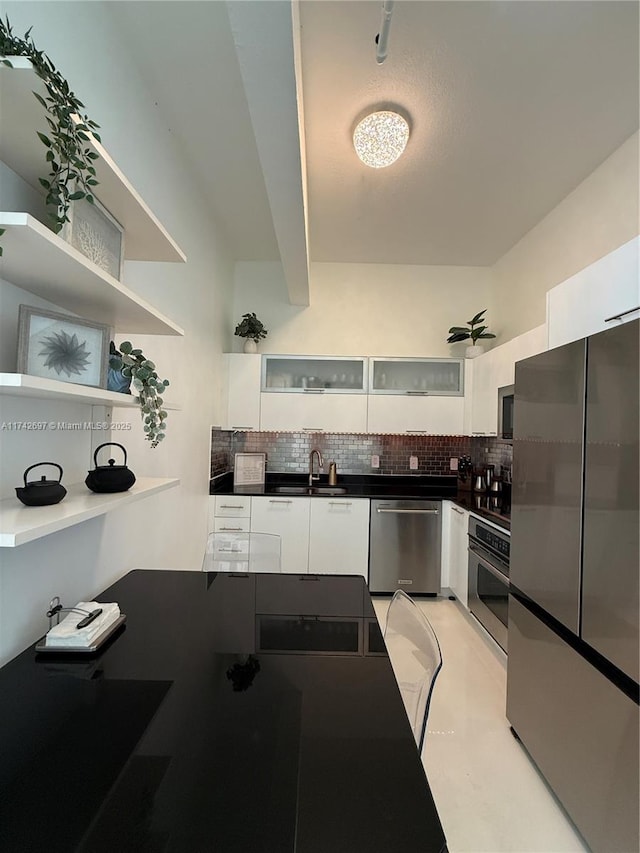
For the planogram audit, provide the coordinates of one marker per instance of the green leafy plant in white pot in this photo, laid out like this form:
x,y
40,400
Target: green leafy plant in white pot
x,y
127,363
252,330
475,331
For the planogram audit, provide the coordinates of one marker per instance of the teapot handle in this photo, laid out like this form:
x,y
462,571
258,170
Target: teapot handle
x,y
106,444
37,465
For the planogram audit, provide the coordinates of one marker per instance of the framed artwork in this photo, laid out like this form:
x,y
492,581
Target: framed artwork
x,y
94,232
249,471
62,347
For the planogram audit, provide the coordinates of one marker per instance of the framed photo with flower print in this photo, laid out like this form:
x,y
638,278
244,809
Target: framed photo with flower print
x,y
62,347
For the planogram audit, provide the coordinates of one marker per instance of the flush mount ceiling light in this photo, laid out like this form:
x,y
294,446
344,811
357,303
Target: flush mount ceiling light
x,y
380,138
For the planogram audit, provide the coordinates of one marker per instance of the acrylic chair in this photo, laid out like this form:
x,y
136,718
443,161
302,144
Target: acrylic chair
x,y
242,552
415,657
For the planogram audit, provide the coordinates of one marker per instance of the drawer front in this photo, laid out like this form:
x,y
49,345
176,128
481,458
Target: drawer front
x,y
231,525
238,506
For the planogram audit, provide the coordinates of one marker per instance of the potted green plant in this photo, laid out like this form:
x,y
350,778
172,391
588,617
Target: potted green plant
x,y
474,332
127,363
72,175
252,330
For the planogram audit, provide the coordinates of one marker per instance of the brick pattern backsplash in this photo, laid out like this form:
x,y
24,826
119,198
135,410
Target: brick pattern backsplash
x,y
221,454
492,451
289,451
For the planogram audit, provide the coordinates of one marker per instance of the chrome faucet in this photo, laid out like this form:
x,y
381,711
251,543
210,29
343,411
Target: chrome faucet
x,y
312,476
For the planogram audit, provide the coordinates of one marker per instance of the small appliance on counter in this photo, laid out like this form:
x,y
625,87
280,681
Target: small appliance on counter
x,y
41,492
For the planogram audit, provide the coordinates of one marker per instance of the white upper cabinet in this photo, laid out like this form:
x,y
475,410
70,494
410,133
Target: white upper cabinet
x,y
494,370
484,402
243,397
313,412
440,377
416,395
313,375
408,414
603,295
313,394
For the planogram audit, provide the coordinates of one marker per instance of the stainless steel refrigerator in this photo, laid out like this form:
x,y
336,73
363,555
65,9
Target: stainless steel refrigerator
x,y
572,679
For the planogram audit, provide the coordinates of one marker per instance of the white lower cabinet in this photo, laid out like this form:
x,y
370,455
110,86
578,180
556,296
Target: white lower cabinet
x,y
339,537
434,415
288,518
314,412
454,551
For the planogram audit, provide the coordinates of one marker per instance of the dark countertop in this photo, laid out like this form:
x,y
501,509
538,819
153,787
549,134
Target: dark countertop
x,y
495,509
204,726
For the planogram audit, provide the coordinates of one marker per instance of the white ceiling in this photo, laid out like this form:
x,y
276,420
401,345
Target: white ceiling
x,y
512,104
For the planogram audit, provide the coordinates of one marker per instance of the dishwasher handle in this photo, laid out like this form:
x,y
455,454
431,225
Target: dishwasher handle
x,y
410,511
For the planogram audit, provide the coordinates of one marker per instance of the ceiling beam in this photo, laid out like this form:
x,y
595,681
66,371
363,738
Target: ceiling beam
x,y
268,55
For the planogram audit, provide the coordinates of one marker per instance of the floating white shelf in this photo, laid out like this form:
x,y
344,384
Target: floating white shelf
x,y
39,261
20,524
23,385
20,148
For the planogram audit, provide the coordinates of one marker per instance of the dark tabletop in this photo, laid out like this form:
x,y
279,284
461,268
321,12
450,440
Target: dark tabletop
x,y
232,714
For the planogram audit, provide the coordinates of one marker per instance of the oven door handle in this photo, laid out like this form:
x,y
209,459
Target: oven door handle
x,y
489,567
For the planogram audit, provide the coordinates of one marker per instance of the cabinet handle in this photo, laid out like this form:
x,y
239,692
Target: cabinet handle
x,y
417,393
411,511
478,433
622,314
417,431
243,428
232,529
459,511
312,429
231,506
314,390
280,502
340,503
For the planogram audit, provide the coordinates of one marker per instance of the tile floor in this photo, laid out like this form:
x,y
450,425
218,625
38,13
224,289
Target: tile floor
x,y
490,797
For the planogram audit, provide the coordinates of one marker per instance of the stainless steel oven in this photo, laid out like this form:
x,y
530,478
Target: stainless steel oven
x,y
489,549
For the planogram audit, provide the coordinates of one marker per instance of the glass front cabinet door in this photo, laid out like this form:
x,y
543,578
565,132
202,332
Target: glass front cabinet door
x,y
416,395
314,393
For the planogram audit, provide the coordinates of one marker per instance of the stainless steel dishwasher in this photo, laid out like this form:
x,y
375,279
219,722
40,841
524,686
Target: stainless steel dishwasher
x,y
404,546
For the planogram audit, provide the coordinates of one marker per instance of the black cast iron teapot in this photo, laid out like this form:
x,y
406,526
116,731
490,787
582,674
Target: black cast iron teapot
x,y
41,492
110,477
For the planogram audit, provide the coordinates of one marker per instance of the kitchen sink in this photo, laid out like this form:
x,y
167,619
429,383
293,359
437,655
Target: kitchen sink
x,y
308,490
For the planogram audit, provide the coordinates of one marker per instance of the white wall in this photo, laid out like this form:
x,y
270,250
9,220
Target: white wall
x,y
168,529
363,309
597,217
406,310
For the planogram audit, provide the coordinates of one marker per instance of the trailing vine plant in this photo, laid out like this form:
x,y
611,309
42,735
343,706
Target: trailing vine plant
x,y
72,174
133,364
